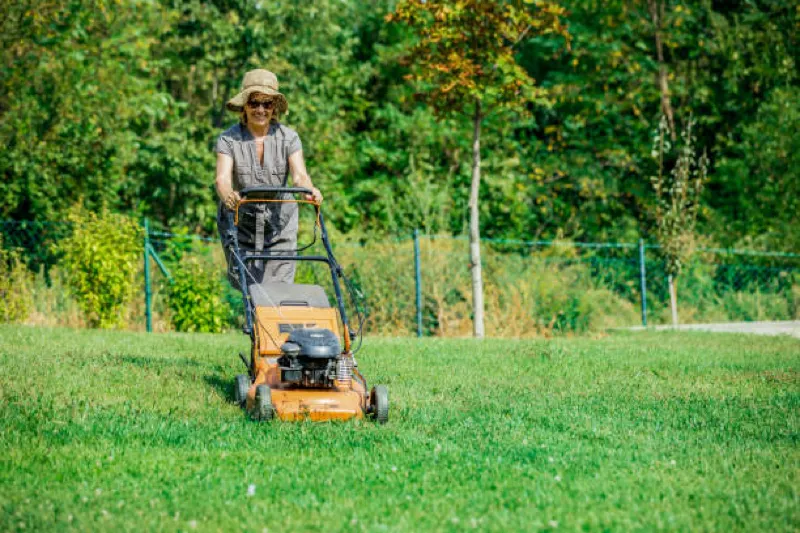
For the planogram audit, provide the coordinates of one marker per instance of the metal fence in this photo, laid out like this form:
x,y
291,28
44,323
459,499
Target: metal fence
x,y
421,284
579,286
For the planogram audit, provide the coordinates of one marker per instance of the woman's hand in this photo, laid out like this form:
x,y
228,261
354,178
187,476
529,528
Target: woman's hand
x,y
232,199
315,196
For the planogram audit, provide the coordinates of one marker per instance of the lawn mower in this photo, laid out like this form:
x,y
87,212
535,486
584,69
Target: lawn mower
x,y
301,363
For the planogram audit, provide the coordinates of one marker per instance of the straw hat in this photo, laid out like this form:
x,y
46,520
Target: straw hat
x,y
258,81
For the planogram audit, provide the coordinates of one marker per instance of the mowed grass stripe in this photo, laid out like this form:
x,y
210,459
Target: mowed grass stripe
x,y
125,431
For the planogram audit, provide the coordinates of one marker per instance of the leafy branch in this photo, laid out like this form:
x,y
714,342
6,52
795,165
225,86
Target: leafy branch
x,y
677,194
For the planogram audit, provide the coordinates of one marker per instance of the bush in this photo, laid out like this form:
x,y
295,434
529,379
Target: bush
x,y
16,287
100,258
196,298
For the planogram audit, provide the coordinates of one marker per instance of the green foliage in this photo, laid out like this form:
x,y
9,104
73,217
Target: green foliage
x,y
465,50
760,175
196,298
16,284
677,195
170,175
755,306
80,92
120,102
101,258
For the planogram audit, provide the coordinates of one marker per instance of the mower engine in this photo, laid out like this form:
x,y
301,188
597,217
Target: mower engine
x,y
310,358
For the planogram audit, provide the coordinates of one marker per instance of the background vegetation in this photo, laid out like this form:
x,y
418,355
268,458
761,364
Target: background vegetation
x,y
533,289
118,103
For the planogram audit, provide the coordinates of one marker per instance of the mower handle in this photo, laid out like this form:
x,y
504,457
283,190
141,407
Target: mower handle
x,y
270,189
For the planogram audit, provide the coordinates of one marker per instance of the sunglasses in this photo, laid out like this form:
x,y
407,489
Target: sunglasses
x,y
266,104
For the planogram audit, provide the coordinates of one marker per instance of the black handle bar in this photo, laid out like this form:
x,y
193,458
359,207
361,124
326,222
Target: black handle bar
x,y
270,189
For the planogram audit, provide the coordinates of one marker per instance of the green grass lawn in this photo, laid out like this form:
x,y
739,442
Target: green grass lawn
x,y
679,431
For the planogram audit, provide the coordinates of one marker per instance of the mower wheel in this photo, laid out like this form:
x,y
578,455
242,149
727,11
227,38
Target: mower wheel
x,y
240,388
379,398
263,407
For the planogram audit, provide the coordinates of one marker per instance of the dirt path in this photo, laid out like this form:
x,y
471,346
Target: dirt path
x,y
757,328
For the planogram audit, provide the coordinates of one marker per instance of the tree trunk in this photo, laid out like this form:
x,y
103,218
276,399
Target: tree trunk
x,y
474,230
657,16
673,300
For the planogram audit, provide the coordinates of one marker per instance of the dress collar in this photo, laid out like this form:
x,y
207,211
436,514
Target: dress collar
x,y
248,136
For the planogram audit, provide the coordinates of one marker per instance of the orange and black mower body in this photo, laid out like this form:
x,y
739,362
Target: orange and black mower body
x,y
301,364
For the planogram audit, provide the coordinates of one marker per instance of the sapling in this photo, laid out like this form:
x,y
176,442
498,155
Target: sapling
x,y
677,201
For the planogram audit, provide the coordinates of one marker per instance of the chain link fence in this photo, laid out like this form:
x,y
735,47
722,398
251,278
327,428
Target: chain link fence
x,y
35,240
422,284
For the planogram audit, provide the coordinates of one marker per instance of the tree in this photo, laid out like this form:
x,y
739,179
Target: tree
x,y
678,196
119,102
759,177
465,58
656,9
78,89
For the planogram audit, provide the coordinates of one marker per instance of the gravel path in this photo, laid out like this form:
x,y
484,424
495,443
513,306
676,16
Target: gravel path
x,y
756,328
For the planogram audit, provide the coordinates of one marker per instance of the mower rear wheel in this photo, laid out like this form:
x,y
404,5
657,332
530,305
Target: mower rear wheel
x,y
240,387
379,399
263,407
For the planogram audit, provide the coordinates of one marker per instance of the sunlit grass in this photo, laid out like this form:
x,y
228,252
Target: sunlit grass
x,y
130,432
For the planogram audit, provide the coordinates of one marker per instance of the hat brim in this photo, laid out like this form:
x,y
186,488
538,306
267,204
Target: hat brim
x,y
236,104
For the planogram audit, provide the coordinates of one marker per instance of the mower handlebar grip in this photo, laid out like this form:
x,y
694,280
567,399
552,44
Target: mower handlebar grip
x,y
269,189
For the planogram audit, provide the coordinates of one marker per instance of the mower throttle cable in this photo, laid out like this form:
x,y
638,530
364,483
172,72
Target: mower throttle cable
x,y
354,292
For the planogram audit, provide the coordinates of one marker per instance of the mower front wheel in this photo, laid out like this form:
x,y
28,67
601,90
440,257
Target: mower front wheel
x,y
263,407
240,388
379,400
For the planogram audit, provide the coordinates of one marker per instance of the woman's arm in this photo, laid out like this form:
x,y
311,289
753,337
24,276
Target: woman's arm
x,y
224,181
300,178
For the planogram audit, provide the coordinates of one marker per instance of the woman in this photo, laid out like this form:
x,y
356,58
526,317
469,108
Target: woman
x,y
259,150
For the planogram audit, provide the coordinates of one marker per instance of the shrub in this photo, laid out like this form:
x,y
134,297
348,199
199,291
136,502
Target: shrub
x,y
101,257
16,286
196,298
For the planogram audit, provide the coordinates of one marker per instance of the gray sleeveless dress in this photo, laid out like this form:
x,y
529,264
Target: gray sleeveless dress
x,y
271,226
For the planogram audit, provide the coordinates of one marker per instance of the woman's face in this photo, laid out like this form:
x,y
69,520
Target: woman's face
x,y
259,109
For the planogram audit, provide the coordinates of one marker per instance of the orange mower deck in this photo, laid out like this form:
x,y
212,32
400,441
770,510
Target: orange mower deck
x,y
344,402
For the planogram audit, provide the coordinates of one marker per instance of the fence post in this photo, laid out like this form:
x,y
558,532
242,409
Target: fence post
x,y
147,294
418,281
643,280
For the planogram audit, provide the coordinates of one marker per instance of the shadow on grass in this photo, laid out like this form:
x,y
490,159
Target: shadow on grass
x,y
222,384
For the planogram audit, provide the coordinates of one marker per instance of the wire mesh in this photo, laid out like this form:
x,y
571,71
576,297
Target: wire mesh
x,y
726,286
36,240
530,287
